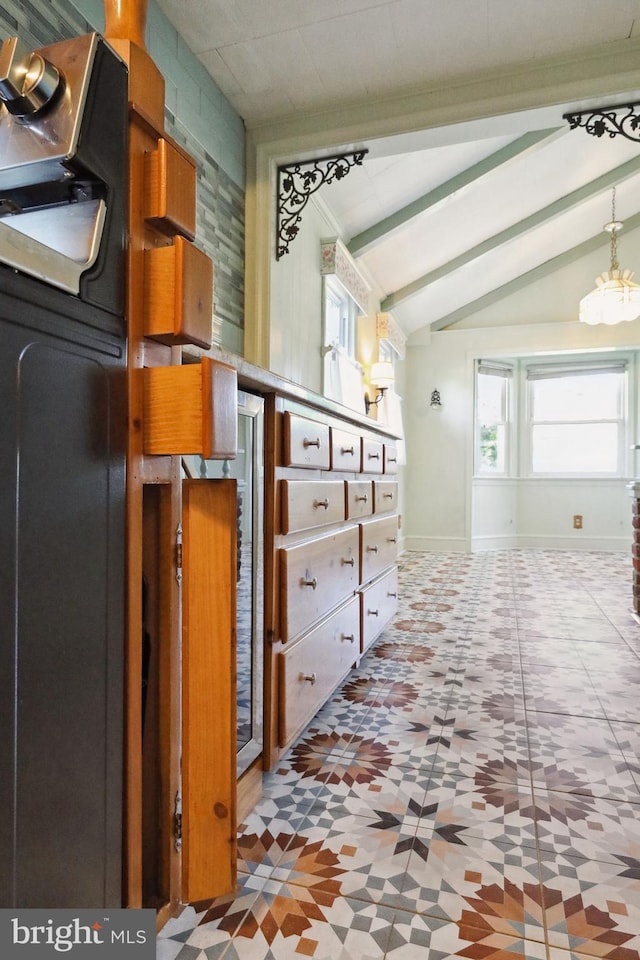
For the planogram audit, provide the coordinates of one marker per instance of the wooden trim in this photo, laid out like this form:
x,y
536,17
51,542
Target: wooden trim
x,y
125,32
272,444
249,789
170,685
126,20
209,690
139,143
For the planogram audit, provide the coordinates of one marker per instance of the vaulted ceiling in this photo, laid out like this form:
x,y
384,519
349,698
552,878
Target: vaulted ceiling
x,y
449,221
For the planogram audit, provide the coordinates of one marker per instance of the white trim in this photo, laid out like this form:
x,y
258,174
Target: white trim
x,y
607,544
612,544
494,543
554,83
437,544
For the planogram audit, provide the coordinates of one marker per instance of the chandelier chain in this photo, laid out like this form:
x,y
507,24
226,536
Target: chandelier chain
x,y
614,232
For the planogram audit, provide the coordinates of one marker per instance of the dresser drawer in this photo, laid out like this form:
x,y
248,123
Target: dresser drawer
x,y
378,546
372,456
390,458
346,450
306,442
359,498
314,577
379,602
385,496
312,667
311,503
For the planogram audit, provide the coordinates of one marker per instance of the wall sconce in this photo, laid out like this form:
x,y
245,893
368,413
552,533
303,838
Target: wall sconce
x,y
435,399
382,377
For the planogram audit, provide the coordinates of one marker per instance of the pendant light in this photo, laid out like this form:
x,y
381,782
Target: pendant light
x,y
616,297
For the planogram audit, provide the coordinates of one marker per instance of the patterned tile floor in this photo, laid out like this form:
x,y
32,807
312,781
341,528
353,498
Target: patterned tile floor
x,y
472,790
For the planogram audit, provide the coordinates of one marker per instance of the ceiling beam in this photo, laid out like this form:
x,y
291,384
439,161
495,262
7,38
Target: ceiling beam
x,y
378,231
550,212
531,276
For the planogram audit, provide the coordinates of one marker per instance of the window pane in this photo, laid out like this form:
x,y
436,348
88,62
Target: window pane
x,y
340,312
491,448
333,313
575,448
491,395
586,397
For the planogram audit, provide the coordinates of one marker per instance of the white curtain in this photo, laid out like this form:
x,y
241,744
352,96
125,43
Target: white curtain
x,y
390,413
343,379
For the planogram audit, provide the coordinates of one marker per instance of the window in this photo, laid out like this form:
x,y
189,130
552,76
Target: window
x,y
342,374
493,382
340,315
576,418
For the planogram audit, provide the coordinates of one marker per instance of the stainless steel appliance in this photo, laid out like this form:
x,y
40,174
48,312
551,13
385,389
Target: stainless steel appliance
x,y
61,138
248,471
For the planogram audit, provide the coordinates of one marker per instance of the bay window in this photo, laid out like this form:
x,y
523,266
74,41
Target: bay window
x,y
576,419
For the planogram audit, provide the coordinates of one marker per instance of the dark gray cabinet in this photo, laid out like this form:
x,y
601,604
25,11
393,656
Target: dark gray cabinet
x,y
61,603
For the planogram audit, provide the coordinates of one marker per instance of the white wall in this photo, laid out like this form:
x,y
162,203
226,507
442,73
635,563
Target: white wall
x,y
438,472
494,514
444,510
538,513
296,304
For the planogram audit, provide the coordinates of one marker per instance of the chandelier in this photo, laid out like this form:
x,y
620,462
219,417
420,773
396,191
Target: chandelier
x,y
616,297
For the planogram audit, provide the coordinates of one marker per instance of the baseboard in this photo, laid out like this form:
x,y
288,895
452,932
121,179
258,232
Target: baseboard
x,y
437,544
494,543
460,545
606,544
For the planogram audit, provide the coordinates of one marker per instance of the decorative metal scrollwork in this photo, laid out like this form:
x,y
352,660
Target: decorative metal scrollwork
x,y
608,121
297,182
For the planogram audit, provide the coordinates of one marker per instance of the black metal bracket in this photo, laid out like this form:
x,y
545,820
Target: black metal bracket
x,y
297,182
370,403
601,121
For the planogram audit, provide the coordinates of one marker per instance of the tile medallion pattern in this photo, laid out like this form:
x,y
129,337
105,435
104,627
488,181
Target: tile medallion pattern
x,y
472,790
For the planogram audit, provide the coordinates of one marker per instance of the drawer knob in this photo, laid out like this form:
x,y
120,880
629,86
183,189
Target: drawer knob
x,y
392,459
313,583
373,613
392,594
372,549
374,456
362,499
349,636
392,540
311,443
345,450
387,496
350,562
321,503
309,677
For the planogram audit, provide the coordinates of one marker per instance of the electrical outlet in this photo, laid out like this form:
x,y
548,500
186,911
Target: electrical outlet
x,y
577,521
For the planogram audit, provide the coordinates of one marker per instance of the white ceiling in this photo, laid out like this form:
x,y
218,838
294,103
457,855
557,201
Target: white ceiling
x,y
280,59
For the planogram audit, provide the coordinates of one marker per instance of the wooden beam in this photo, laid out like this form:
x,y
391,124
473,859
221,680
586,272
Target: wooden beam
x,y
374,234
531,276
550,212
